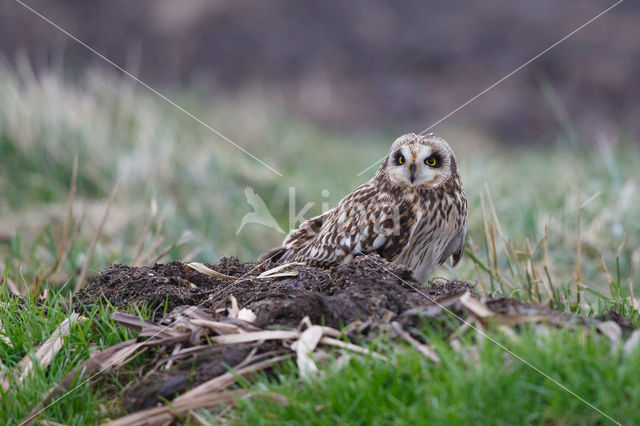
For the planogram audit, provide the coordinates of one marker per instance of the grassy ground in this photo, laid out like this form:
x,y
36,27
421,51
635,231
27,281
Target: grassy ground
x,y
181,196
493,388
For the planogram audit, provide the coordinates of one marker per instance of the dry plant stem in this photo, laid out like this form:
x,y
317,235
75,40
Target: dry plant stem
x,y
235,308
578,254
200,419
534,275
604,268
176,350
545,263
475,306
65,241
226,379
483,286
4,338
165,415
94,363
145,232
493,210
506,243
156,241
206,395
94,241
275,271
180,241
631,296
494,251
494,225
487,239
12,286
255,336
517,264
350,346
203,269
304,347
46,352
420,347
74,235
271,273
491,226
220,327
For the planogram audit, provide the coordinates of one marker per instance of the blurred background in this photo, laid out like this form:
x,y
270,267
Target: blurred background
x,y
318,91
364,64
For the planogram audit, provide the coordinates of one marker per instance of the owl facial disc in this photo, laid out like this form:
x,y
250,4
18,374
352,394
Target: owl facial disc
x,y
419,161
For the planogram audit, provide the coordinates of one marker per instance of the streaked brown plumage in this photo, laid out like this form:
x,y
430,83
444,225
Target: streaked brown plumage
x,y
412,212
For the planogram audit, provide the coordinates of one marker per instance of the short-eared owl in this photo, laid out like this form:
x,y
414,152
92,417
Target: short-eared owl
x,y
412,212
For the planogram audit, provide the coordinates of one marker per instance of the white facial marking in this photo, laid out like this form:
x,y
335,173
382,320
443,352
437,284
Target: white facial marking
x,y
406,164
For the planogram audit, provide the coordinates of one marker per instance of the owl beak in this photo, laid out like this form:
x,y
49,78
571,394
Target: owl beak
x,y
412,170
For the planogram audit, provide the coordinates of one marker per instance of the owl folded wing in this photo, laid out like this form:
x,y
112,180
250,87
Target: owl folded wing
x,y
373,225
296,239
455,248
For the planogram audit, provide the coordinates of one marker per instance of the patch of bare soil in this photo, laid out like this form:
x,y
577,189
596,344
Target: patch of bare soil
x,y
366,288
295,313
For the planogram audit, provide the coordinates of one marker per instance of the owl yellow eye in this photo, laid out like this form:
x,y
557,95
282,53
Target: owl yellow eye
x,y
431,161
398,158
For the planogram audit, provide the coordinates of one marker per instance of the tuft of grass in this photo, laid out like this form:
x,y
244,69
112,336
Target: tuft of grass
x,y
26,324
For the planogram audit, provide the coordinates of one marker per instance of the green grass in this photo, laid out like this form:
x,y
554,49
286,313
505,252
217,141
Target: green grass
x,y
120,133
27,324
495,388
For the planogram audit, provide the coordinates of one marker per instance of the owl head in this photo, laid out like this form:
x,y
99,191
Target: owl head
x,y
420,161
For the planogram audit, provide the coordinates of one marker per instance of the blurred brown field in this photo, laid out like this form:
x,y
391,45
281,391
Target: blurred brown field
x,y
373,65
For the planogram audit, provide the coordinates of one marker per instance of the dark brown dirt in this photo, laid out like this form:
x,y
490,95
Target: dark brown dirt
x,y
187,373
366,288
369,288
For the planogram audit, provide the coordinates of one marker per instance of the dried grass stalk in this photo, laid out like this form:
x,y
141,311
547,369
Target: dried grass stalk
x,y
255,336
65,242
203,269
44,355
350,346
46,352
475,306
274,271
220,327
97,363
420,347
94,241
304,347
206,395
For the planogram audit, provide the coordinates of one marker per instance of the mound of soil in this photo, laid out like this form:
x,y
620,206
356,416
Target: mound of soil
x,y
366,288
386,297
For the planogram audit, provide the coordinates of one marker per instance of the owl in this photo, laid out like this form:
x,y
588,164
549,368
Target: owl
x,y
412,212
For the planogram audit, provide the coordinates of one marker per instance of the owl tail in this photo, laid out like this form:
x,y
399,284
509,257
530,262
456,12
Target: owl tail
x,y
274,255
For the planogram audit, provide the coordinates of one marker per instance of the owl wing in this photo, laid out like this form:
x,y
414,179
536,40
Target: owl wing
x,y
307,230
296,238
367,220
455,248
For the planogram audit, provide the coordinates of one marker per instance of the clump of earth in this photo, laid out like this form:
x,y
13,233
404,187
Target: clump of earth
x,y
369,291
366,288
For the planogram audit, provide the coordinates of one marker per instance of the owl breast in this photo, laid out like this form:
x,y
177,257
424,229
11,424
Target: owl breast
x,y
433,236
